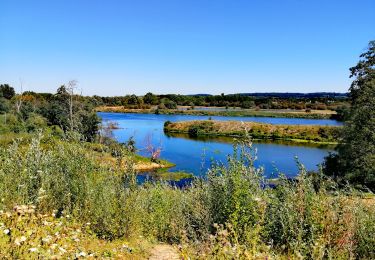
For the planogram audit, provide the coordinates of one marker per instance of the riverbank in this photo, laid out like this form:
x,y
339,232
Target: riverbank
x,y
314,114
294,133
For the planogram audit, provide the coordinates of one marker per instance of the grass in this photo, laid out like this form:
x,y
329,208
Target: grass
x,y
165,175
316,114
24,233
66,198
294,133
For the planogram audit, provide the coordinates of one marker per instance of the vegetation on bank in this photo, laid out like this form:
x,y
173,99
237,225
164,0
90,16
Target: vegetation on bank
x,y
231,214
354,161
163,174
322,134
26,233
238,113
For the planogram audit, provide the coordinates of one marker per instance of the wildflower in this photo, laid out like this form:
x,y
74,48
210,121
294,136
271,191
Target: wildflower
x,y
19,240
6,231
46,239
83,254
33,249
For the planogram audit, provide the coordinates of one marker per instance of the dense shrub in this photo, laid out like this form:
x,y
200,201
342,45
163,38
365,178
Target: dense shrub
x,y
233,213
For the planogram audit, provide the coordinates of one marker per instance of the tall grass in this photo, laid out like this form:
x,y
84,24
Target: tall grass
x,y
255,130
232,213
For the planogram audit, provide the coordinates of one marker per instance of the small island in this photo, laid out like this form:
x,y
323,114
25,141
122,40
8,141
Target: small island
x,y
296,133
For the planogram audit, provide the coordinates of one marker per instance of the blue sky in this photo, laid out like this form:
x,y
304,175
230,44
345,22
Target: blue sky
x,y
183,46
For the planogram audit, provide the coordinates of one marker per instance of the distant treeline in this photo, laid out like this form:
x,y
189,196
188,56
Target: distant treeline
x,y
338,102
288,94
298,95
316,101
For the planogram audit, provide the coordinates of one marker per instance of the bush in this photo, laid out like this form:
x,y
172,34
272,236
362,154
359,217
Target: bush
x,y
232,213
167,123
35,122
63,177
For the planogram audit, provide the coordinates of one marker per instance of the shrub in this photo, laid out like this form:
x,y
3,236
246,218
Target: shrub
x,y
62,176
232,213
167,123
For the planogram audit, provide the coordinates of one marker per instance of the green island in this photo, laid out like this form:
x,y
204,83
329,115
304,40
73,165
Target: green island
x,y
295,133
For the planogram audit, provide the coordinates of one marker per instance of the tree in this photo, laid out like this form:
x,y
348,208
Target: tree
x,y
169,104
355,158
150,99
134,100
4,106
7,91
70,88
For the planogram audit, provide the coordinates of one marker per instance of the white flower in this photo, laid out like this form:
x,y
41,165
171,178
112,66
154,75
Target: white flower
x,y
82,254
19,240
6,231
33,249
46,239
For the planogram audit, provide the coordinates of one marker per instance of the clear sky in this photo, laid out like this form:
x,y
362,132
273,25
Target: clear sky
x,y
183,46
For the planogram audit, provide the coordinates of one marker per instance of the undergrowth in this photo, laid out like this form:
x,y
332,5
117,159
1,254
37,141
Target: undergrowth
x,y
232,213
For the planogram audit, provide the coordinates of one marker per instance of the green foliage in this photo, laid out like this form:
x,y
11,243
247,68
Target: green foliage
x,y
4,105
7,91
232,213
168,104
355,160
35,122
255,130
31,111
150,99
55,175
167,123
199,128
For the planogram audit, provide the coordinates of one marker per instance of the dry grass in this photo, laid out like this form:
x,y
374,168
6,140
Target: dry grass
x,y
257,130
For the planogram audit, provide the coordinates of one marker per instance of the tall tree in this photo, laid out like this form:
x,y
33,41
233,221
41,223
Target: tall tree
x,y
355,158
150,98
7,91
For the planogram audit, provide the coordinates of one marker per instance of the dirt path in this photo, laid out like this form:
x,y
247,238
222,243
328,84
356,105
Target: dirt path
x,y
164,252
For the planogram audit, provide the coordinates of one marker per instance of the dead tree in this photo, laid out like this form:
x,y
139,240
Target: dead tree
x,y
70,88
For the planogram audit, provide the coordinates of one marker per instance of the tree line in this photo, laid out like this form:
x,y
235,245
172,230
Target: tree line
x,y
64,111
264,101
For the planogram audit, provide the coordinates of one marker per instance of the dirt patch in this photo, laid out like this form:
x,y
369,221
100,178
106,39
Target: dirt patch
x,y
164,252
143,166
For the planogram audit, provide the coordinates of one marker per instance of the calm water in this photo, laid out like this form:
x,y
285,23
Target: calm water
x,y
196,155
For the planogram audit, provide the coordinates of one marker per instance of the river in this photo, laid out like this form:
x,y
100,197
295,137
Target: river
x,y
196,155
